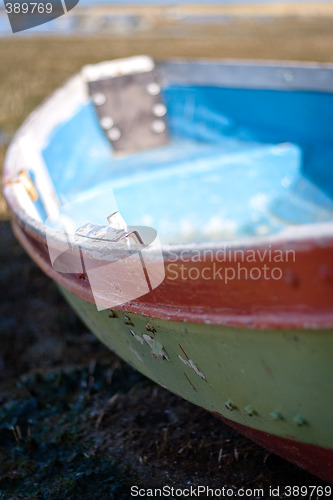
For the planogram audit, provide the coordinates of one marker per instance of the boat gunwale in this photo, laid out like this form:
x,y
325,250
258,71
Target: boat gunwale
x,y
264,319
260,74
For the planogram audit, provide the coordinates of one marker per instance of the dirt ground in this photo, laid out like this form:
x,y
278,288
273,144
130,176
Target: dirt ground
x,y
75,421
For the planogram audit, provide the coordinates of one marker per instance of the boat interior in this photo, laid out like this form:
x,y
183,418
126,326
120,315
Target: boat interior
x,y
238,157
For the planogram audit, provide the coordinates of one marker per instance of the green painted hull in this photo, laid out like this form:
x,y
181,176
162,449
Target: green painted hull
x,y
273,381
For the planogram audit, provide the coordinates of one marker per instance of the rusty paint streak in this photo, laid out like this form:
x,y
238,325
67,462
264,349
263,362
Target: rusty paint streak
x,y
184,352
190,381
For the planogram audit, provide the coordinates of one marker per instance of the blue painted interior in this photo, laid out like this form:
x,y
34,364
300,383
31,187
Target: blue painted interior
x,y
226,172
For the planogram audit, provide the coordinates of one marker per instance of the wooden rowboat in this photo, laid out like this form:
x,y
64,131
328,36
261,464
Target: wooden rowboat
x,y
228,301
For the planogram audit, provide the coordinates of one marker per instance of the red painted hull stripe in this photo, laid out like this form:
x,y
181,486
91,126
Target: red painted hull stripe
x,y
306,301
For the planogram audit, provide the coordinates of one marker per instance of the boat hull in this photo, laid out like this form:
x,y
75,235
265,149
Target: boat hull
x,y
270,385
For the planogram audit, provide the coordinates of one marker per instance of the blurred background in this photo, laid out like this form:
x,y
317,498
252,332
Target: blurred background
x,y
75,420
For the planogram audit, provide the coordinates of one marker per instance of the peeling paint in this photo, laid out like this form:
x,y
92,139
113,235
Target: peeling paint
x,y
113,314
276,415
299,420
250,410
156,347
137,337
230,405
128,321
194,367
150,328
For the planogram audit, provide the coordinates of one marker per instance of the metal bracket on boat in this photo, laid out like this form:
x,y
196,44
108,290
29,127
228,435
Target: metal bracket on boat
x,y
116,231
128,102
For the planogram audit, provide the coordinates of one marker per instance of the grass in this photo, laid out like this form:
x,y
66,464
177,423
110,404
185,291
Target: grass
x,y
33,67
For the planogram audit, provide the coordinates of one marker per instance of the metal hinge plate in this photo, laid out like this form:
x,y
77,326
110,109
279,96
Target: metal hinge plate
x,y
128,101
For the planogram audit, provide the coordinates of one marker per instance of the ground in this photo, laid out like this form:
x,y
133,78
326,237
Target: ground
x,y
75,421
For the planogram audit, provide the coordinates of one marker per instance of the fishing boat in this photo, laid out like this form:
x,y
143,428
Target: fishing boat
x,y
185,209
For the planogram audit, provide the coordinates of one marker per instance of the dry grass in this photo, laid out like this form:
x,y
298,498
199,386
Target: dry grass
x,y
32,67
